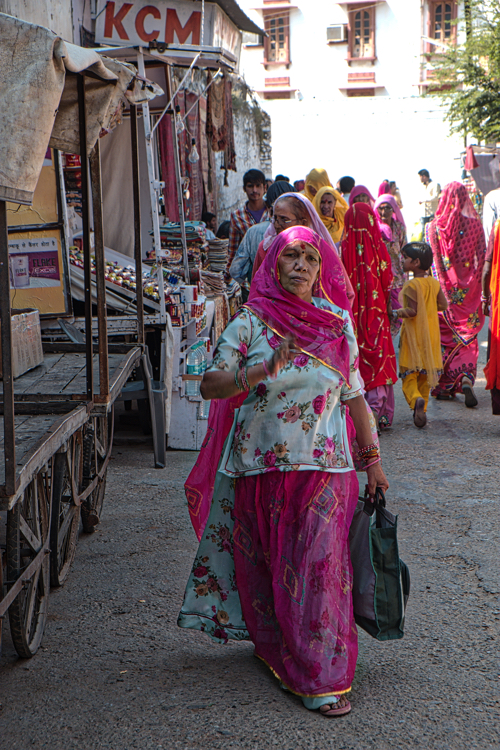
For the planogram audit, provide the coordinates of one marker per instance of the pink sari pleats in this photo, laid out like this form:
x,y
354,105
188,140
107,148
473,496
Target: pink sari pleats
x,y
294,575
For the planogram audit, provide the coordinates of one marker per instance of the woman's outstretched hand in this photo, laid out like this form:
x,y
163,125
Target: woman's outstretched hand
x,y
376,478
282,355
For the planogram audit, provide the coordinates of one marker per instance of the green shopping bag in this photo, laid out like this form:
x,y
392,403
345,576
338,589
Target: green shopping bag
x,y
381,580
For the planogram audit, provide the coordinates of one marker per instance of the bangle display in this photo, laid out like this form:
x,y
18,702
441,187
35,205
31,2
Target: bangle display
x,y
377,461
266,368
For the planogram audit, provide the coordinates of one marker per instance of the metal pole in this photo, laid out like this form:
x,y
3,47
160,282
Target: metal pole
x,y
100,271
9,434
137,224
154,188
180,201
82,118
180,198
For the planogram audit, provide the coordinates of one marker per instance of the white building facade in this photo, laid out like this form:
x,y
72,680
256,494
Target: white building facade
x,y
344,84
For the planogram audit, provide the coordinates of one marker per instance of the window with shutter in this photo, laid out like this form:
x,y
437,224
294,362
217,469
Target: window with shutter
x,y
441,23
362,33
277,42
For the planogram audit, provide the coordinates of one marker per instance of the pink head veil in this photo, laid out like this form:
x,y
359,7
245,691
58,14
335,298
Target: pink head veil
x,y
383,187
359,190
317,332
385,229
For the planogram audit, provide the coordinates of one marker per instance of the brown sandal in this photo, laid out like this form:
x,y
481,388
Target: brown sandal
x,y
340,708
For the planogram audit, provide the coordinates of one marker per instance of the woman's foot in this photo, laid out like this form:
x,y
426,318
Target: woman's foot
x,y
339,708
419,416
470,396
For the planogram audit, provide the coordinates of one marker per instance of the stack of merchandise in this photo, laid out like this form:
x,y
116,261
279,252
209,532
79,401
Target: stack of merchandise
x,y
73,181
217,255
183,303
114,273
213,283
197,246
183,312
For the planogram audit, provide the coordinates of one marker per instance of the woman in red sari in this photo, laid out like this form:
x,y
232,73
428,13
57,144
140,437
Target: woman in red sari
x,y
457,240
368,266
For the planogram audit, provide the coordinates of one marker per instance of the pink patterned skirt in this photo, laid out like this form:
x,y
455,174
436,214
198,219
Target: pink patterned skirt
x,y
294,576
459,360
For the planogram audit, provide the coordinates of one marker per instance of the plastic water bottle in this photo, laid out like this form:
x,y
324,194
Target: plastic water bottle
x,y
194,363
203,409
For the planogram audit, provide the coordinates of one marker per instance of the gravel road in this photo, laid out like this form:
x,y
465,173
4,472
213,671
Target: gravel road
x,y
114,671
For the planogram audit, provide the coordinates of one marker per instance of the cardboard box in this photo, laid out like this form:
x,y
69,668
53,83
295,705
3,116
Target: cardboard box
x,y
27,351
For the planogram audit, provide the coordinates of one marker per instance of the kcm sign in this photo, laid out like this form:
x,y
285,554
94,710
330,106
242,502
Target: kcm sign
x,y
170,21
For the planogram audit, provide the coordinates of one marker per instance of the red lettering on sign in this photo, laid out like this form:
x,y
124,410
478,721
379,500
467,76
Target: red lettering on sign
x,y
115,22
148,10
193,26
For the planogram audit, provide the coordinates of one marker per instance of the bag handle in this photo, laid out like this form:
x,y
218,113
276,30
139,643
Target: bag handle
x,y
373,502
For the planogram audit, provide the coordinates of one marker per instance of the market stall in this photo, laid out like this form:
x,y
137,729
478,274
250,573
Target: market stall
x,y
187,269
57,404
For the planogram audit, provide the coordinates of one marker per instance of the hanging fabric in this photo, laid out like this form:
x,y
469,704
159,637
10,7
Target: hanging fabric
x,y
216,127
230,150
194,171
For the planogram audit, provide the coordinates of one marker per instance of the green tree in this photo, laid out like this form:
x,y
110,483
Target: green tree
x,y
468,74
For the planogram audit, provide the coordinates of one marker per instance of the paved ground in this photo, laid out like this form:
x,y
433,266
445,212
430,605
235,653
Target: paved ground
x,y
115,671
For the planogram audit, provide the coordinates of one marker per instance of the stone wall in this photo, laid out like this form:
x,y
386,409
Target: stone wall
x,y
252,135
56,15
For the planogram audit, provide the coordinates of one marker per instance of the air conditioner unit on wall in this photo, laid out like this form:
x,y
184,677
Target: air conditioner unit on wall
x,y
337,33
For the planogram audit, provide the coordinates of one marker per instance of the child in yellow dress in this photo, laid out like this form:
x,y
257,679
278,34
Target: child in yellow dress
x,y
420,360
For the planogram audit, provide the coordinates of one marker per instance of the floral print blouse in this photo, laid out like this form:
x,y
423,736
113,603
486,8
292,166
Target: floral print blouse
x,y
295,422
394,249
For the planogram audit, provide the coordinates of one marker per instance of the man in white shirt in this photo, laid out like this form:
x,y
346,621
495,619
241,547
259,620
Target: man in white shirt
x,y
491,211
430,197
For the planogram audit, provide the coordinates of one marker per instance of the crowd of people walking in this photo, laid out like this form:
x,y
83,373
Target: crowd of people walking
x,y
302,384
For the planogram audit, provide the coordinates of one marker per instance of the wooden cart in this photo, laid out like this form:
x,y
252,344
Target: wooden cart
x,y
57,425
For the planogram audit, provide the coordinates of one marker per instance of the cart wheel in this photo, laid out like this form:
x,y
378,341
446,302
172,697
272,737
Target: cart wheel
x,y
65,514
27,531
96,441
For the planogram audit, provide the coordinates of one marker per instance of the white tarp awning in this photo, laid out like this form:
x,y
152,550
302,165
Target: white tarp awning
x,y
39,103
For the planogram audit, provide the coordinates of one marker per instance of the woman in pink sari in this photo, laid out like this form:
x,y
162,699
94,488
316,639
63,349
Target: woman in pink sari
x,y
384,187
273,564
457,240
361,194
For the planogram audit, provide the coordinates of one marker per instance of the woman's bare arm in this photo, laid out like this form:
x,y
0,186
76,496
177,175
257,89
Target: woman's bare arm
x,y
357,410
442,302
407,312
221,384
485,280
